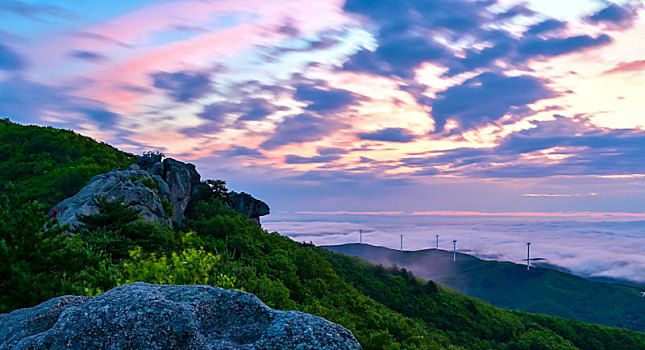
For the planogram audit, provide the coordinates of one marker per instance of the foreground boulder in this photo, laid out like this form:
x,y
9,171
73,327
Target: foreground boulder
x,y
145,316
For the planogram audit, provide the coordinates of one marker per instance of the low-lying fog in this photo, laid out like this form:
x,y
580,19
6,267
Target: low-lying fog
x,y
600,249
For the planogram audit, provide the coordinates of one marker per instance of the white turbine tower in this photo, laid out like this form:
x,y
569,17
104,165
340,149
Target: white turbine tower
x,y
437,246
360,240
454,250
401,243
528,258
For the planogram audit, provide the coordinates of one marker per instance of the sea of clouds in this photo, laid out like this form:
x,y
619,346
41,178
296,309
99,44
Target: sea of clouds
x,y
588,248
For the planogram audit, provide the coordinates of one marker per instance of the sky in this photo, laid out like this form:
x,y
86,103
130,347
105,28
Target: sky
x,y
331,107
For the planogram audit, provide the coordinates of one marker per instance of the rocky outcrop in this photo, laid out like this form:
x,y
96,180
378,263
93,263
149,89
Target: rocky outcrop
x,y
146,186
129,185
145,316
183,180
246,204
179,181
151,163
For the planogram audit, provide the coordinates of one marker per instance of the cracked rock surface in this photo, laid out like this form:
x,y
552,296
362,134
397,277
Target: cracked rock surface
x,y
146,316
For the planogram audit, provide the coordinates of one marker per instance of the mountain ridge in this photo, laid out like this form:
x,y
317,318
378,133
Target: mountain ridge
x,y
509,285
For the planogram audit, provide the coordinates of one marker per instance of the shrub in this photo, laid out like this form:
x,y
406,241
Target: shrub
x,y
190,266
168,208
150,183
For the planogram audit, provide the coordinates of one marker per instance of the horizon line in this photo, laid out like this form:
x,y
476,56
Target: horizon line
x,y
475,213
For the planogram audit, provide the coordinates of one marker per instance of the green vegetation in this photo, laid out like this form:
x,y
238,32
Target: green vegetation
x,y
168,208
219,190
150,183
51,164
384,308
36,263
190,266
509,286
146,181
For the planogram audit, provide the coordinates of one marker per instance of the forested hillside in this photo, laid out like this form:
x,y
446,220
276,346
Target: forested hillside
x,y
384,308
50,164
510,286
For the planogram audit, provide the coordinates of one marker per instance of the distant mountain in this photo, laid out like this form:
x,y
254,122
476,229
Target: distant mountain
x,y
509,285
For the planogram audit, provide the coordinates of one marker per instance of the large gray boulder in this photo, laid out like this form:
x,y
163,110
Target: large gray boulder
x,y
151,163
176,182
180,181
126,184
246,204
183,180
145,316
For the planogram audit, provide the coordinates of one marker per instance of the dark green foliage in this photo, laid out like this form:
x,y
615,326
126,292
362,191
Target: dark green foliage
x,y
208,191
541,340
49,164
168,208
510,286
147,181
220,192
214,219
112,216
71,183
116,229
37,262
384,308
150,183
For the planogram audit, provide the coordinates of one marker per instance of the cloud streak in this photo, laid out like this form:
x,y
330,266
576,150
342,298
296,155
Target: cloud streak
x,y
182,86
10,60
301,128
388,135
486,98
616,16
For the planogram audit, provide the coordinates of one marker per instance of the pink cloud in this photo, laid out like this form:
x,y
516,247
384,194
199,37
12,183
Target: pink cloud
x,y
625,67
175,56
132,54
139,24
477,213
528,214
342,212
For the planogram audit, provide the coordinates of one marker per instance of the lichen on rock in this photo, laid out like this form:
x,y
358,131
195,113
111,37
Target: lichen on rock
x,y
146,316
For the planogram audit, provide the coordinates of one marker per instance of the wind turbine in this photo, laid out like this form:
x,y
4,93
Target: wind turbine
x,y
528,256
401,243
454,250
528,259
360,240
437,246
